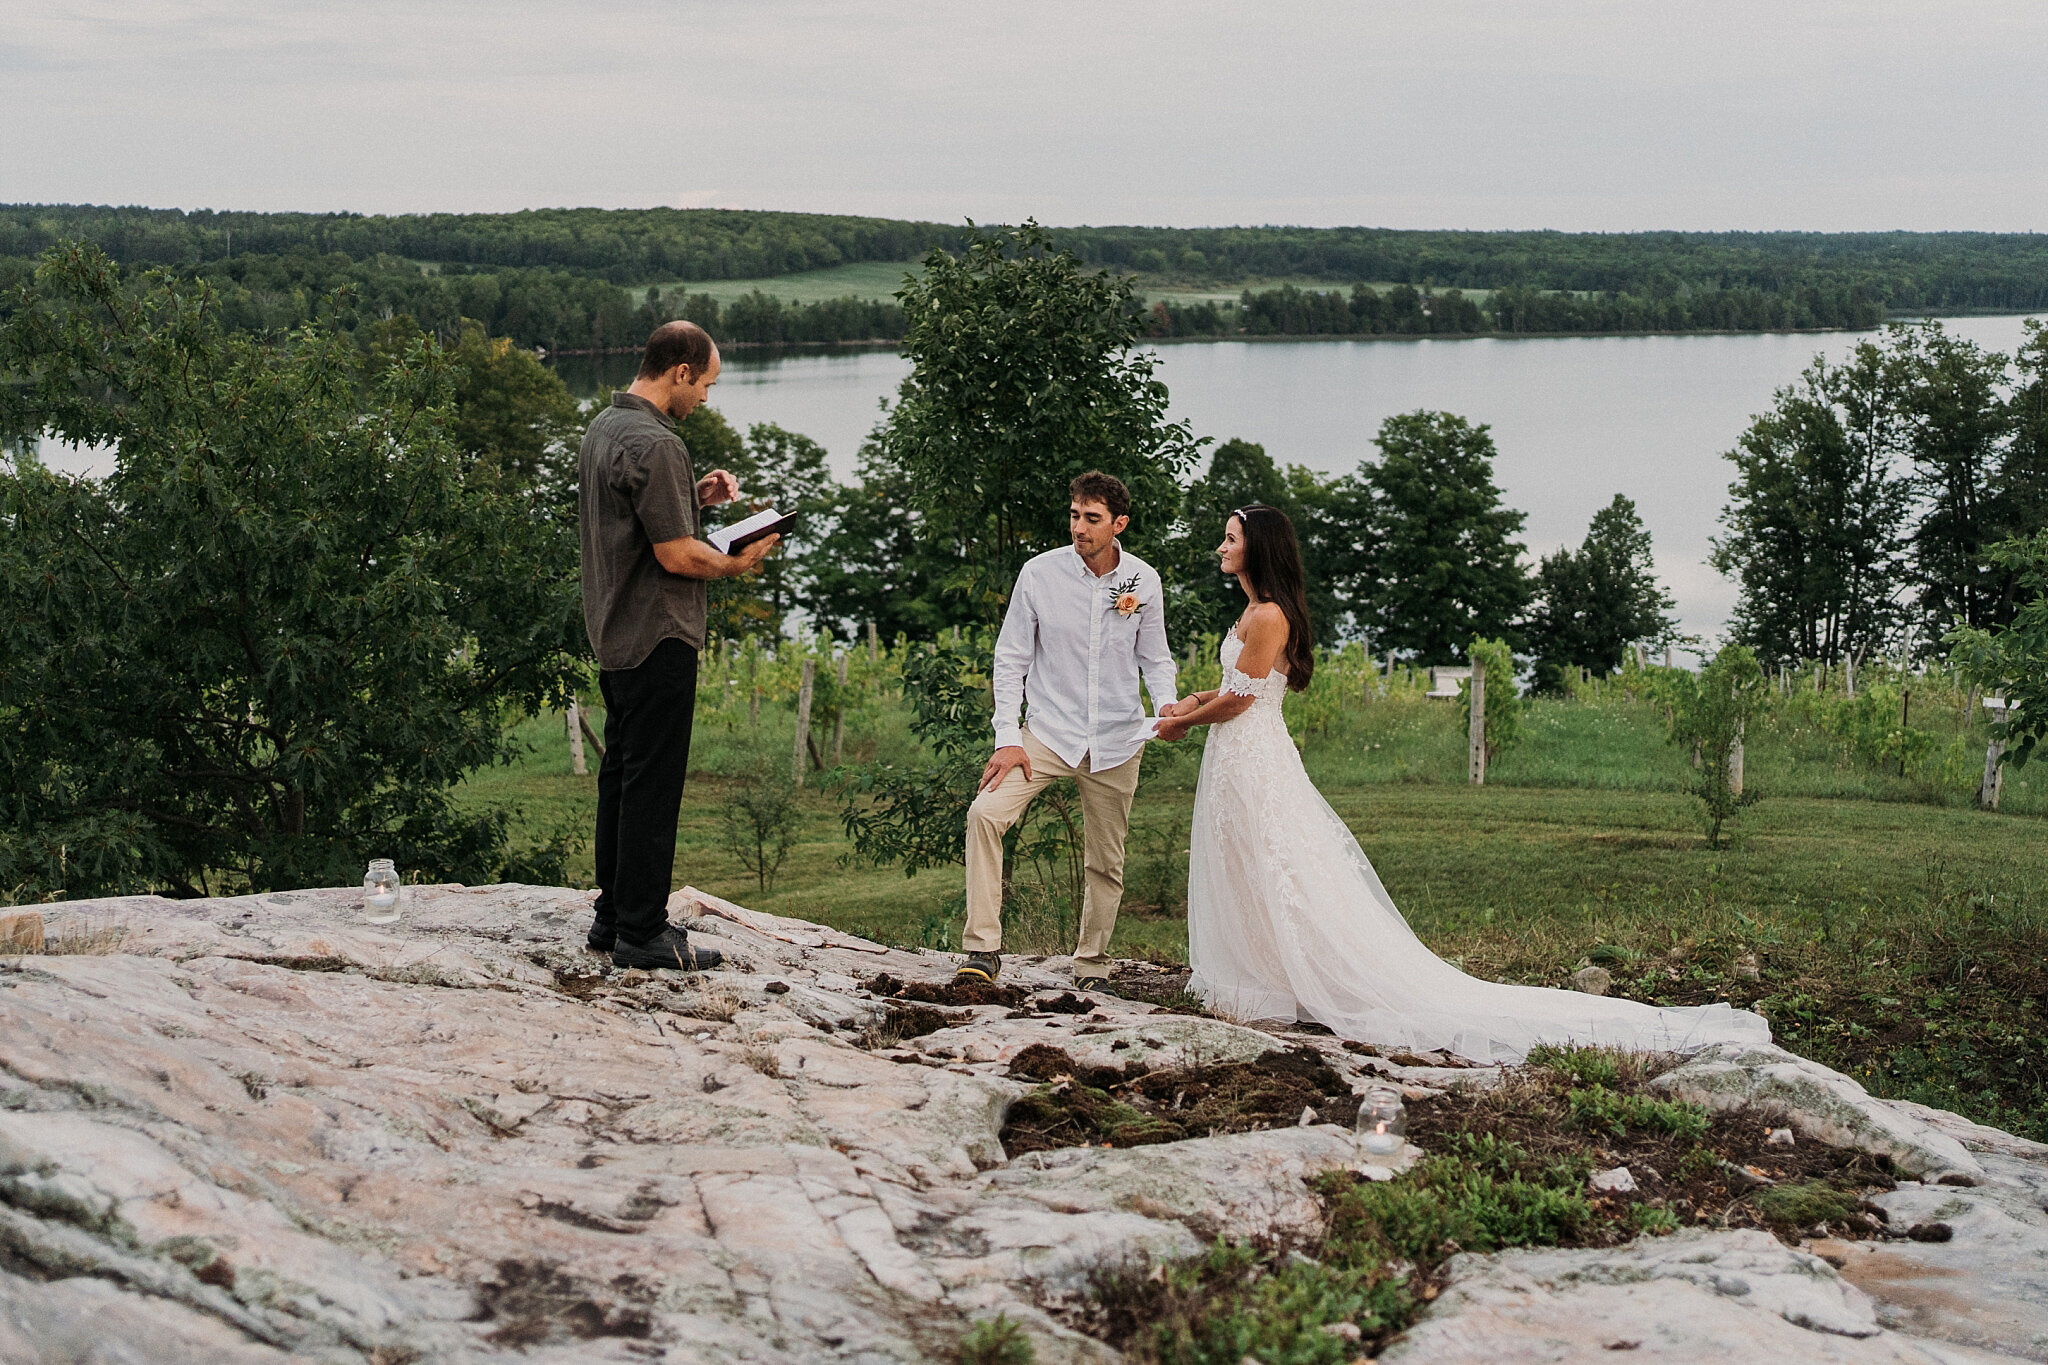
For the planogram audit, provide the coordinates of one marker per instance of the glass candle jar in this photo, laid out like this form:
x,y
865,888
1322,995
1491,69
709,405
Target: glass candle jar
x,y
1382,1121
383,892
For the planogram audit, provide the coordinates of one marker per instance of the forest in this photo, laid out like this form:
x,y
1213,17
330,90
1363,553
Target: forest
x,y
596,279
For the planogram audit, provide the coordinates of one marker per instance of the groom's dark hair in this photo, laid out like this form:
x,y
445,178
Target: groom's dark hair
x,y
677,343
1107,489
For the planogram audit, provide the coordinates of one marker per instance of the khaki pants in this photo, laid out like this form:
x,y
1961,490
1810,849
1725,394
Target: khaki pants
x,y
1106,819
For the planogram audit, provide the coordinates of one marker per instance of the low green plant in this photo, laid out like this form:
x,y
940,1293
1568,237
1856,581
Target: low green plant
x,y
1650,1218
1586,1065
1505,704
1698,1162
760,826
1597,1109
1710,713
999,1340
1484,1194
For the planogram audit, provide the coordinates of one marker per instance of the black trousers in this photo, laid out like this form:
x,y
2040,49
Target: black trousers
x,y
647,716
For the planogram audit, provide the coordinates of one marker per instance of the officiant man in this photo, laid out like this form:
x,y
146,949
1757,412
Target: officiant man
x,y
1084,623
644,605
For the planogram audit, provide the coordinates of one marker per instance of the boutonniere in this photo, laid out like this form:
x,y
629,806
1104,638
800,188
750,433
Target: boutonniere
x,y
1124,596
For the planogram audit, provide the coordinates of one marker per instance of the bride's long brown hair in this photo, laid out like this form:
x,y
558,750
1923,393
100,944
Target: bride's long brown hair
x,y
1272,564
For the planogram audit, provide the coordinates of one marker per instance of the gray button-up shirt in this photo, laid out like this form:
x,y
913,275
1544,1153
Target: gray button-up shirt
x,y
636,489
1066,649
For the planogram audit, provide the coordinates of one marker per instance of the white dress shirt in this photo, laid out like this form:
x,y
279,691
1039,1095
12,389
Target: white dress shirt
x,y
1066,650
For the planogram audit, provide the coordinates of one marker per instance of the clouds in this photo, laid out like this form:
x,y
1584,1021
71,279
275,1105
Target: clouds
x,y
1581,114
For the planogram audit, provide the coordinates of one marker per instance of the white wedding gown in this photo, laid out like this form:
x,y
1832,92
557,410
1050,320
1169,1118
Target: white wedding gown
x,y
1288,920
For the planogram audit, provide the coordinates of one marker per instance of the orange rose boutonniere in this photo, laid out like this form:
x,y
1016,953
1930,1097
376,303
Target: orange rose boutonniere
x,y
1124,596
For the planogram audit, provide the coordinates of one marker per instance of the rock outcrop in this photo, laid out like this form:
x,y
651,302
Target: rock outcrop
x,y
257,1129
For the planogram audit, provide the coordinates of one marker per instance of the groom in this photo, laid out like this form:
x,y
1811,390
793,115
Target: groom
x,y
1083,624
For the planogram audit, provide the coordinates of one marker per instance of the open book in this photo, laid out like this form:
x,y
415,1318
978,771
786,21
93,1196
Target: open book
x,y
730,539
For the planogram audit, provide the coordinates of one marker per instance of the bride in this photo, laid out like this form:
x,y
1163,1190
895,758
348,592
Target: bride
x,y
1286,917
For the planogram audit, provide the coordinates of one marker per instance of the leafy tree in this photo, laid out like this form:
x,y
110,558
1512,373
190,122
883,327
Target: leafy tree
x,y
2013,659
511,408
1955,424
1025,374
1814,522
1438,558
875,561
1593,603
1709,714
273,640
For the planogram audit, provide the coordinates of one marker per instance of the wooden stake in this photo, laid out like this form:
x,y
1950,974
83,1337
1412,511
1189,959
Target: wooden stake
x,y
874,644
839,716
753,688
577,765
1476,764
1735,763
803,721
1905,710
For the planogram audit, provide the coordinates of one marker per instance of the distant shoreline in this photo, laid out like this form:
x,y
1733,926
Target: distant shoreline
x,y
883,344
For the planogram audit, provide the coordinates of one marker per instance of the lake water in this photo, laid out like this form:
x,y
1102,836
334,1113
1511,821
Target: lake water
x,y
1576,419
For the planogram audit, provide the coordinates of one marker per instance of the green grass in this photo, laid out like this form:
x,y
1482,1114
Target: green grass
x,y
1884,926
860,280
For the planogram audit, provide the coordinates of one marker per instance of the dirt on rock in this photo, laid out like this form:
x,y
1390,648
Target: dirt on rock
x,y
1078,1105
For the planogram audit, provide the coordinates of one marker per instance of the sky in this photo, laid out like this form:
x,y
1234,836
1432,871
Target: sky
x,y
1602,115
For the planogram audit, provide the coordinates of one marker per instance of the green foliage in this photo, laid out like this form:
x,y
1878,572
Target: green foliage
x,y
1658,1222
916,815
268,645
999,1340
1484,1195
1505,703
1437,563
2013,660
1590,605
1590,1066
761,825
1955,427
1800,1204
1813,524
1710,714
1600,1110
1025,373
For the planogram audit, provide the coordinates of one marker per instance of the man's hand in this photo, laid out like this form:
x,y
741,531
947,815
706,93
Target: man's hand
x,y
716,487
1172,728
1179,708
752,553
998,769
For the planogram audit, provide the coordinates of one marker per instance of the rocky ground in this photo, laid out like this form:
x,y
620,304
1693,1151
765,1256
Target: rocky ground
x,y
258,1129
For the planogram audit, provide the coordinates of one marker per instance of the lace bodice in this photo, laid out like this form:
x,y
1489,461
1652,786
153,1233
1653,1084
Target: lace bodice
x,y
1266,693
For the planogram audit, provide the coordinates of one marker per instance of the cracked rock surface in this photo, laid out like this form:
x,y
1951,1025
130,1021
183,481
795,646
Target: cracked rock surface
x,y
257,1129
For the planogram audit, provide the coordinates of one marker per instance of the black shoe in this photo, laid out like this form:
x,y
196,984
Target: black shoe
x,y
669,949
601,938
981,967
1091,979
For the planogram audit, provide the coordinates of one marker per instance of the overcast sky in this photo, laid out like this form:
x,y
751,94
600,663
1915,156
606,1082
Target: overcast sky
x,y
1578,114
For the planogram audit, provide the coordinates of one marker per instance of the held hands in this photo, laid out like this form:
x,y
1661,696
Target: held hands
x,y
998,769
1173,725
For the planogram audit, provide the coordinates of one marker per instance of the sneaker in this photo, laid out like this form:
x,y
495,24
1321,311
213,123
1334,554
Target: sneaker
x,y
981,967
1090,979
669,949
601,938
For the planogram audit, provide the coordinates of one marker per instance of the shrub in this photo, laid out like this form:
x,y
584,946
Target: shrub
x,y
996,1341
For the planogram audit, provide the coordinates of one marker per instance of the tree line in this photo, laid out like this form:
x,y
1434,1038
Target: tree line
x,y
625,246
1827,277
1405,310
